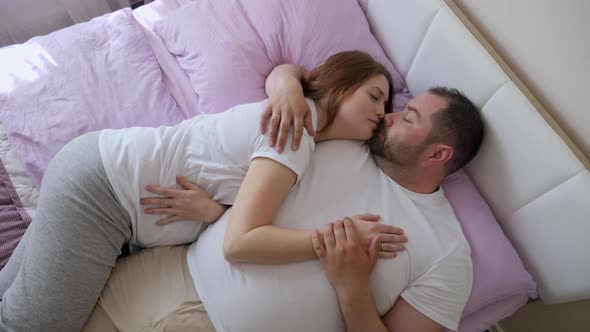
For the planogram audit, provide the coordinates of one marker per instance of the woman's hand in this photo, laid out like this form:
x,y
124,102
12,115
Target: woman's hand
x,y
286,104
191,203
391,238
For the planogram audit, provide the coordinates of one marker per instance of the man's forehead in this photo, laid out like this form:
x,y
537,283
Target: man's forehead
x,y
428,102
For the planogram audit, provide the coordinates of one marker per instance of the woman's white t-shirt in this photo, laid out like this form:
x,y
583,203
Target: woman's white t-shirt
x,y
212,150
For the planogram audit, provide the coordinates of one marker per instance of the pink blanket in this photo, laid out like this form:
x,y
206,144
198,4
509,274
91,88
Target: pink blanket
x,y
91,76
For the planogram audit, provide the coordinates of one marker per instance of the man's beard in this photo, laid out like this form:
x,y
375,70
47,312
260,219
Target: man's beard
x,y
395,152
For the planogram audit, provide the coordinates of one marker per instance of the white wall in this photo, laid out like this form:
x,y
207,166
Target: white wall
x,y
547,44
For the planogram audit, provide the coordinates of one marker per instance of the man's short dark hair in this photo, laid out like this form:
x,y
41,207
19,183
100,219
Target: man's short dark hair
x,y
459,125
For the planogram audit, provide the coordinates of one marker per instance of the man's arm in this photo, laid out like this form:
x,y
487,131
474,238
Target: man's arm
x,y
358,309
403,317
348,269
360,313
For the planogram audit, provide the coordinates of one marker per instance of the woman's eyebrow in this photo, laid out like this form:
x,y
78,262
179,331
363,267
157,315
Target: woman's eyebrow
x,y
380,91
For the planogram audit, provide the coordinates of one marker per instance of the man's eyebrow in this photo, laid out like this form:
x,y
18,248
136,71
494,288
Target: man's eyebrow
x,y
413,109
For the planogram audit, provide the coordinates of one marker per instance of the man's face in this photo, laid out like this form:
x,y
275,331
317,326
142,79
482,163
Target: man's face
x,y
402,137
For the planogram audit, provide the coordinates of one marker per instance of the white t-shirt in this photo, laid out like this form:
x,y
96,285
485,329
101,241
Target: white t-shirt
x,y
213,151
434,273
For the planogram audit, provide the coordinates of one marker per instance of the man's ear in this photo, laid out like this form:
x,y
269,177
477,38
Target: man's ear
x,y
441,153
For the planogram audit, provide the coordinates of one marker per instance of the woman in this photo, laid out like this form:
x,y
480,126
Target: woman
x,y
89,200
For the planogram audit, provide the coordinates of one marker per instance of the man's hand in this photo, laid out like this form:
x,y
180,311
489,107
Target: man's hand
x,y
343,257
286,104
368,227
190,203
348,268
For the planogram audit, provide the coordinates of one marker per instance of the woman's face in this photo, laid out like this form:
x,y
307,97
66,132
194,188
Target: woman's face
x,y
360,112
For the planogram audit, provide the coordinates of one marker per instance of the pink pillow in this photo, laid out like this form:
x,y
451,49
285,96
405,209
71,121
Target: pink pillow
x,y
90,76
501,284
228,60
173,76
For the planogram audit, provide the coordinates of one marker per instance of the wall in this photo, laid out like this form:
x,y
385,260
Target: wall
x,y
21,20
547,44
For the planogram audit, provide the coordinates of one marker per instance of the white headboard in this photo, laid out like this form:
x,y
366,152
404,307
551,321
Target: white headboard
x,y
535,180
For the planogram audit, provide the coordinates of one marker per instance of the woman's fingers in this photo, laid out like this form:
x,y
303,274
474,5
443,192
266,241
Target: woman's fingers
x,y
161,210
329,239
308,124
339,234
374,251
168,220
283,131
163,191
318,245
275,121
368,217
388,229
387,254
350,231
184,183
157,201
390,247
297,134
393,238
264,117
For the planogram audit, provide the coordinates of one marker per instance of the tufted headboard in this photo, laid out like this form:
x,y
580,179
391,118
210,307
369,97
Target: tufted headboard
x,y
536,181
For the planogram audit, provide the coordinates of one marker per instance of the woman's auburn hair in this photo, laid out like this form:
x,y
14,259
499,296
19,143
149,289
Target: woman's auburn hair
x,y
338,77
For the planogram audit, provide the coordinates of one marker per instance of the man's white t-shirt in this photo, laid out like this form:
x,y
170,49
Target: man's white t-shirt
x,y
213,151
434,273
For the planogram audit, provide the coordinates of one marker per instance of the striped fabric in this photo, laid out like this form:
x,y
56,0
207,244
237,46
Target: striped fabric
x,y
14,219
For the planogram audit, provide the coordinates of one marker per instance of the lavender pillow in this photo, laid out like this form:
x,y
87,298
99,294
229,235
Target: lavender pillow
x,y
501,284
90,76
228,47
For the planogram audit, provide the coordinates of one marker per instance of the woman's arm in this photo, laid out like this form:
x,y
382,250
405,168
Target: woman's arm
x,y
193,203
250,236
283,74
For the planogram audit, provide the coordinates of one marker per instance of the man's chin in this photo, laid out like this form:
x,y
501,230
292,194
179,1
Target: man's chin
x,y
376,146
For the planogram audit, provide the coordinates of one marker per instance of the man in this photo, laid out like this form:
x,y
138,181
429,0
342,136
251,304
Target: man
x,y
424,289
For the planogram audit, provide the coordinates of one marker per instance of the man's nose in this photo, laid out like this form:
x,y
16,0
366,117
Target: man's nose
x,y
389,119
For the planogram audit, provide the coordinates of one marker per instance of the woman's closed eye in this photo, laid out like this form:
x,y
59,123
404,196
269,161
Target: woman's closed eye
x,y
374,97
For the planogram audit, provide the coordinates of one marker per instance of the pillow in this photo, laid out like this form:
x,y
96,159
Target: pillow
x,y
90,76
501,284
228,60
174,77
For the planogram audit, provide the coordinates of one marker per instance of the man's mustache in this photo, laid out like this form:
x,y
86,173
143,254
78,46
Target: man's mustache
x,y
380,128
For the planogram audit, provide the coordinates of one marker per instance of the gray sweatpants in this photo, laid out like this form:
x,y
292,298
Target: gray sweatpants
x,y
58,270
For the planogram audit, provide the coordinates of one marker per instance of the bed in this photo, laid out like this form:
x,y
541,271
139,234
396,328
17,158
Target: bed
x,y
522,203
